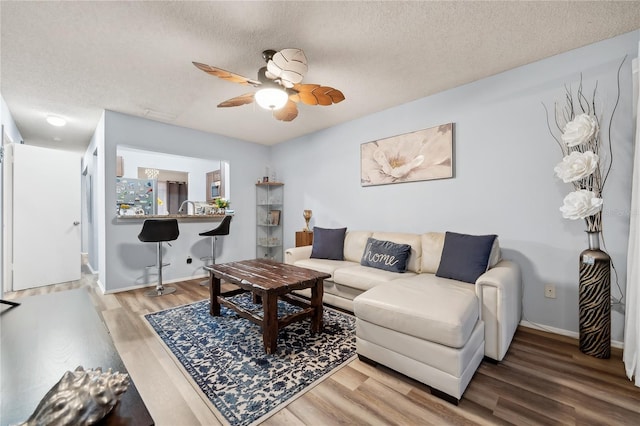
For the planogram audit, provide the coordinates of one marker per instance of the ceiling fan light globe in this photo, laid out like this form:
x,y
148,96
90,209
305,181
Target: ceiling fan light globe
x,y
271,98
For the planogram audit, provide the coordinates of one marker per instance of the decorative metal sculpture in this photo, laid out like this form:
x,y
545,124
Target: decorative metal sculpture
x,y
307,217
80,398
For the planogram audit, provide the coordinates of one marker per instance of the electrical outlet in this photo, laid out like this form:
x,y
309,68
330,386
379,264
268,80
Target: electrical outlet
x,y
550,291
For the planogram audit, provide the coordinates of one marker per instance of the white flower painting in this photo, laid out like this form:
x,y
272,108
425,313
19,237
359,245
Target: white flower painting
x,y
423,155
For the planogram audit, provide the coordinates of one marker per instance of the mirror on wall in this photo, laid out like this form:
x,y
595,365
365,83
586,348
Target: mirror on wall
x,y
155,183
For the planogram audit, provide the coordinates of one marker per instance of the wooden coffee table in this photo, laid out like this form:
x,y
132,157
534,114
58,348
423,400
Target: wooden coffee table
x,y
269,280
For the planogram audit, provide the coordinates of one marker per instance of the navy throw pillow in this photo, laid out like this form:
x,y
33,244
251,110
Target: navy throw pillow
x,y
465,257
328,243
386,255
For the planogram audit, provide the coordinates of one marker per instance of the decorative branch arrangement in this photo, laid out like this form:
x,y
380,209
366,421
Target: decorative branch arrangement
x,y
587,156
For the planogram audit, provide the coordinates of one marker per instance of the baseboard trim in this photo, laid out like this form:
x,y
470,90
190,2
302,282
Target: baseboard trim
x,y
100,285
153,284
563,332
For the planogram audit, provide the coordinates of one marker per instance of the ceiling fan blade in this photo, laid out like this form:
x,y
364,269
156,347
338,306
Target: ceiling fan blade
x,y
247,98
289,65
294,96
226,75
314,94
287,113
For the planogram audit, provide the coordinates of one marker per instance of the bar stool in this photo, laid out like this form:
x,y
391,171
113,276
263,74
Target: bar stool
x,y
222,229
159,231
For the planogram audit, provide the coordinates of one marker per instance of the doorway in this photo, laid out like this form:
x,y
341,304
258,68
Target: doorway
x,y
45,243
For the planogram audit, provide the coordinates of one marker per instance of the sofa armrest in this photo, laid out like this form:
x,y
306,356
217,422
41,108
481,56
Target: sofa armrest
x,y
292,255
500,293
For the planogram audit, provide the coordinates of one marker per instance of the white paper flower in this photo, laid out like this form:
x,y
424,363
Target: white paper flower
x,y
579,130
576,166
580,204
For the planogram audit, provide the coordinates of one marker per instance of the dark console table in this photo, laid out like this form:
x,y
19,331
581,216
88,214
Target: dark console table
x,y
46,336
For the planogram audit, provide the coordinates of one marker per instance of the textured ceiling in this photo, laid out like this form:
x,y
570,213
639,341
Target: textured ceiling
x,y
75,59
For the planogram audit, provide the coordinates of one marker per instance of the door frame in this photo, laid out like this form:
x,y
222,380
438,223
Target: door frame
x,y
7,212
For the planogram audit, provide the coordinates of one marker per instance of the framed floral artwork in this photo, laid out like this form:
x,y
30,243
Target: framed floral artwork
x,y
422,155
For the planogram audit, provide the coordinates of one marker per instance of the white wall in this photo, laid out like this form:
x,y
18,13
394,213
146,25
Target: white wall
x,y
503,174
125,257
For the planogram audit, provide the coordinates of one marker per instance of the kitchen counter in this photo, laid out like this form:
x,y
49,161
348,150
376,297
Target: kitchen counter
x,y
186,254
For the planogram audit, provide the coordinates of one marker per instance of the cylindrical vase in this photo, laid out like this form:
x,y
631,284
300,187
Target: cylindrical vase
x,y
595,300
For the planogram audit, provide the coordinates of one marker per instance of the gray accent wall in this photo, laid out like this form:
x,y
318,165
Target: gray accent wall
x,y
503,173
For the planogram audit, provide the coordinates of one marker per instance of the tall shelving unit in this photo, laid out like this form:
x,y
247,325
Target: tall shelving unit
x,y
269,218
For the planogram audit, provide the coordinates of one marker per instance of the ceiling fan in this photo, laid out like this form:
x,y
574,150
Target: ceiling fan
x,y
279,83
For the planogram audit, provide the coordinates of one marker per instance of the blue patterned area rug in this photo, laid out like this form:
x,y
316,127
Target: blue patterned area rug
x,y
225,356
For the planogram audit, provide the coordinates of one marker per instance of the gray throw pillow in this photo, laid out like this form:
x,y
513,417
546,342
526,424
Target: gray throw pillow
x,y
328,243
386,255
465,257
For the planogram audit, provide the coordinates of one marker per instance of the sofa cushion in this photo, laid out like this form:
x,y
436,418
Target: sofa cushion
x,y
363,277
413,264
437,312
496,254
432,279
328,243
432,243
386,255
323,265
465,257
453,361
354,243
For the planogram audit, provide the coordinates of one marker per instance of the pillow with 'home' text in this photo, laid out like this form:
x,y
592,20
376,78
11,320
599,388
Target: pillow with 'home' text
x,y
386,255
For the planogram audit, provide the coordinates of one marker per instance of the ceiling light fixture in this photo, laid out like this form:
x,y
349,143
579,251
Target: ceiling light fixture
x,y
54,120
271,98
152,173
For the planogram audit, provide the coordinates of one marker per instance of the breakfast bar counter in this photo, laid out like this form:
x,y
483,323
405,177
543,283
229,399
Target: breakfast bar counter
x,y
180,217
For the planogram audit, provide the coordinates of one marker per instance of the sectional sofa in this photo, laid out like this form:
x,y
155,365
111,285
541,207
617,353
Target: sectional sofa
x,y
433,318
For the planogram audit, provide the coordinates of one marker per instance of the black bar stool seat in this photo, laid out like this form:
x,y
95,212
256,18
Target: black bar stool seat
x,y
159,231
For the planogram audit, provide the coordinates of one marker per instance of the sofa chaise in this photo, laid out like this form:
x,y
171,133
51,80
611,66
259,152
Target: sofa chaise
x,y
418,320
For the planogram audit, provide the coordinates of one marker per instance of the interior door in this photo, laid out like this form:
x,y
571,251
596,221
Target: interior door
x,y
46,216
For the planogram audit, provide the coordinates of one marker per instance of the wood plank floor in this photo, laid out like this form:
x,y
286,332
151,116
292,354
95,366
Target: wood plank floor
x,y
543,380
